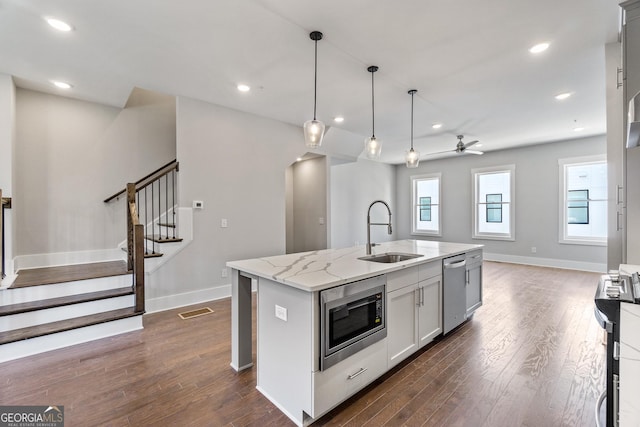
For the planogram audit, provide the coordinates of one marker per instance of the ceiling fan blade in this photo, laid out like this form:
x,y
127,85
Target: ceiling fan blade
x,y
476,152
469,144
441,152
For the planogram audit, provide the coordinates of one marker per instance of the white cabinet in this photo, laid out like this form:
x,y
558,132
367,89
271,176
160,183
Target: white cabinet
x,y
631,83
629,365
473,281
429,310
332,386
414,309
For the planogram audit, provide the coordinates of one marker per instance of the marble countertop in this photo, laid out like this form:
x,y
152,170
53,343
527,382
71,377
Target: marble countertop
x,y
317,270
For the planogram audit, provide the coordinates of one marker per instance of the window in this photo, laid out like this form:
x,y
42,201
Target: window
x,y
494,207
426,204
578,206
493,201
425,208
583,200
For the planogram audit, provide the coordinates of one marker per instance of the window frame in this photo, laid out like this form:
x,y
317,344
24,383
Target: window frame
x,y
476,204
563,237
414,204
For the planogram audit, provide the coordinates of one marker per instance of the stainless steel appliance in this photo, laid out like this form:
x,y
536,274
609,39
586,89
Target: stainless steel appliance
x,y
352,317
454,296
612,289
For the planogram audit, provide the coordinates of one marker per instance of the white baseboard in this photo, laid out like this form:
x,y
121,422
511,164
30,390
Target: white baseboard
x,y
188,298
24,348
66,258
548,262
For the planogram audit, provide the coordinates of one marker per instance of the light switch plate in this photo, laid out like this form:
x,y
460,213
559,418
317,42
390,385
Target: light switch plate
x,y
281,313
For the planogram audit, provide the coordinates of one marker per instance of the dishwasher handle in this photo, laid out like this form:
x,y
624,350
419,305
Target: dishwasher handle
x,y
457,264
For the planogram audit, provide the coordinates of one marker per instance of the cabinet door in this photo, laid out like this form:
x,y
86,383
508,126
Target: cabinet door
x,y
402,323
474,288
430,310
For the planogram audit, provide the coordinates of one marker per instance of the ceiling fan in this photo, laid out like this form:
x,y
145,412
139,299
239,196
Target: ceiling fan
x,y
462,147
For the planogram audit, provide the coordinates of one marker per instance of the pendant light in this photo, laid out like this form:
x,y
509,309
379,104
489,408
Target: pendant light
x,y
372,145
314,129
413,157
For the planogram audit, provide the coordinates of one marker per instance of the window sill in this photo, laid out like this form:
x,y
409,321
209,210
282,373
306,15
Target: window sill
x,y
583,242
493,237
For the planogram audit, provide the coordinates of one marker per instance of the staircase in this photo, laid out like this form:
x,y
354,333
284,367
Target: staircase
x,y
54,307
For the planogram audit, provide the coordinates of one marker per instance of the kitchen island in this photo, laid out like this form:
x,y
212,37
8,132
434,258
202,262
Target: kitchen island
x,y
290,369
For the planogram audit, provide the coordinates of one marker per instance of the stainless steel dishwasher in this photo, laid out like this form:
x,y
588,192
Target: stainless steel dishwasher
x,y
455,294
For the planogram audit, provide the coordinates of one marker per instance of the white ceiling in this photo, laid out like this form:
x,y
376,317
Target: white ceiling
x,y
469,61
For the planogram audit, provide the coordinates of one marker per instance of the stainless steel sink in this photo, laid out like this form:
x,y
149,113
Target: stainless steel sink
x,y
389,257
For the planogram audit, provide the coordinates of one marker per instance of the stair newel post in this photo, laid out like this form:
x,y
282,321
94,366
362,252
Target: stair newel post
x,y
131,198
138,269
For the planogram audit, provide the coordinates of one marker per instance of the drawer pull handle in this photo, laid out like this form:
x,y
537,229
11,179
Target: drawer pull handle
x,y
360,372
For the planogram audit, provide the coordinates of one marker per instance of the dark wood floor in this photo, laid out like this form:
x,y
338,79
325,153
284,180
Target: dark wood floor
x,y
531,356
68,273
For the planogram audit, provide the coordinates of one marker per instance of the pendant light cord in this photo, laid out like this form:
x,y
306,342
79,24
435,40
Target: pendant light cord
x,y
315,80
373,111
412,120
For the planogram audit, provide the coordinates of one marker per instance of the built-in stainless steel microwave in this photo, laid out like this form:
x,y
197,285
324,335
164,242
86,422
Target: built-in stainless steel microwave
x,y
352,317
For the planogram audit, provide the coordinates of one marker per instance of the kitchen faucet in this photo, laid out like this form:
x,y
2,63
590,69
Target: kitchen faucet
x,y
369,224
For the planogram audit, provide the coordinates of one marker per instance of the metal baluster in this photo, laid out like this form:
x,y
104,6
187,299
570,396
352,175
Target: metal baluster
x,y
153,215
146,221
166,204
159,206
173,200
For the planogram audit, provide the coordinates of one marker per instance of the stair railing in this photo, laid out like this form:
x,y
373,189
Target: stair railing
x,y
135,246
6,204
155,198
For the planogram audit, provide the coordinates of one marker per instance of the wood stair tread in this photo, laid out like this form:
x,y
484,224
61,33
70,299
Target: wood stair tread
x,y
158,238
63,301
68,273
168,225
66,325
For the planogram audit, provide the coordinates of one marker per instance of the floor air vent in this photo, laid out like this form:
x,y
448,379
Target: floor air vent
x,y
195,313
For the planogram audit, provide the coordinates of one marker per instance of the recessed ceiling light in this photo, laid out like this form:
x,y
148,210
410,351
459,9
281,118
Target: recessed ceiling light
x,y
338,119
62,85
243,87
562,96
578,129
59,25
436,125
299,159
540,47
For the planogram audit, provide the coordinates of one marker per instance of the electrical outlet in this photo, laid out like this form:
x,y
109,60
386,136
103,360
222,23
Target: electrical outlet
x,y
321,221
281,313
198,204
223,223
223,273
533,249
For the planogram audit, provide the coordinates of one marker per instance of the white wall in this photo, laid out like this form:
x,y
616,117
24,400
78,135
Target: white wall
x,y
70,155
353,186
308,205
235,163
536,199
7,152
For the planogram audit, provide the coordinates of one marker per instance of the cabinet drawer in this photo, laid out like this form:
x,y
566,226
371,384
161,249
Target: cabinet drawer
x,y
401,278
332,386
430,269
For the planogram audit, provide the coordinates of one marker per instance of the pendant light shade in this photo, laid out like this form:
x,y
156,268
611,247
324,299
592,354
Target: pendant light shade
x,y
413,157
314,129
372,145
